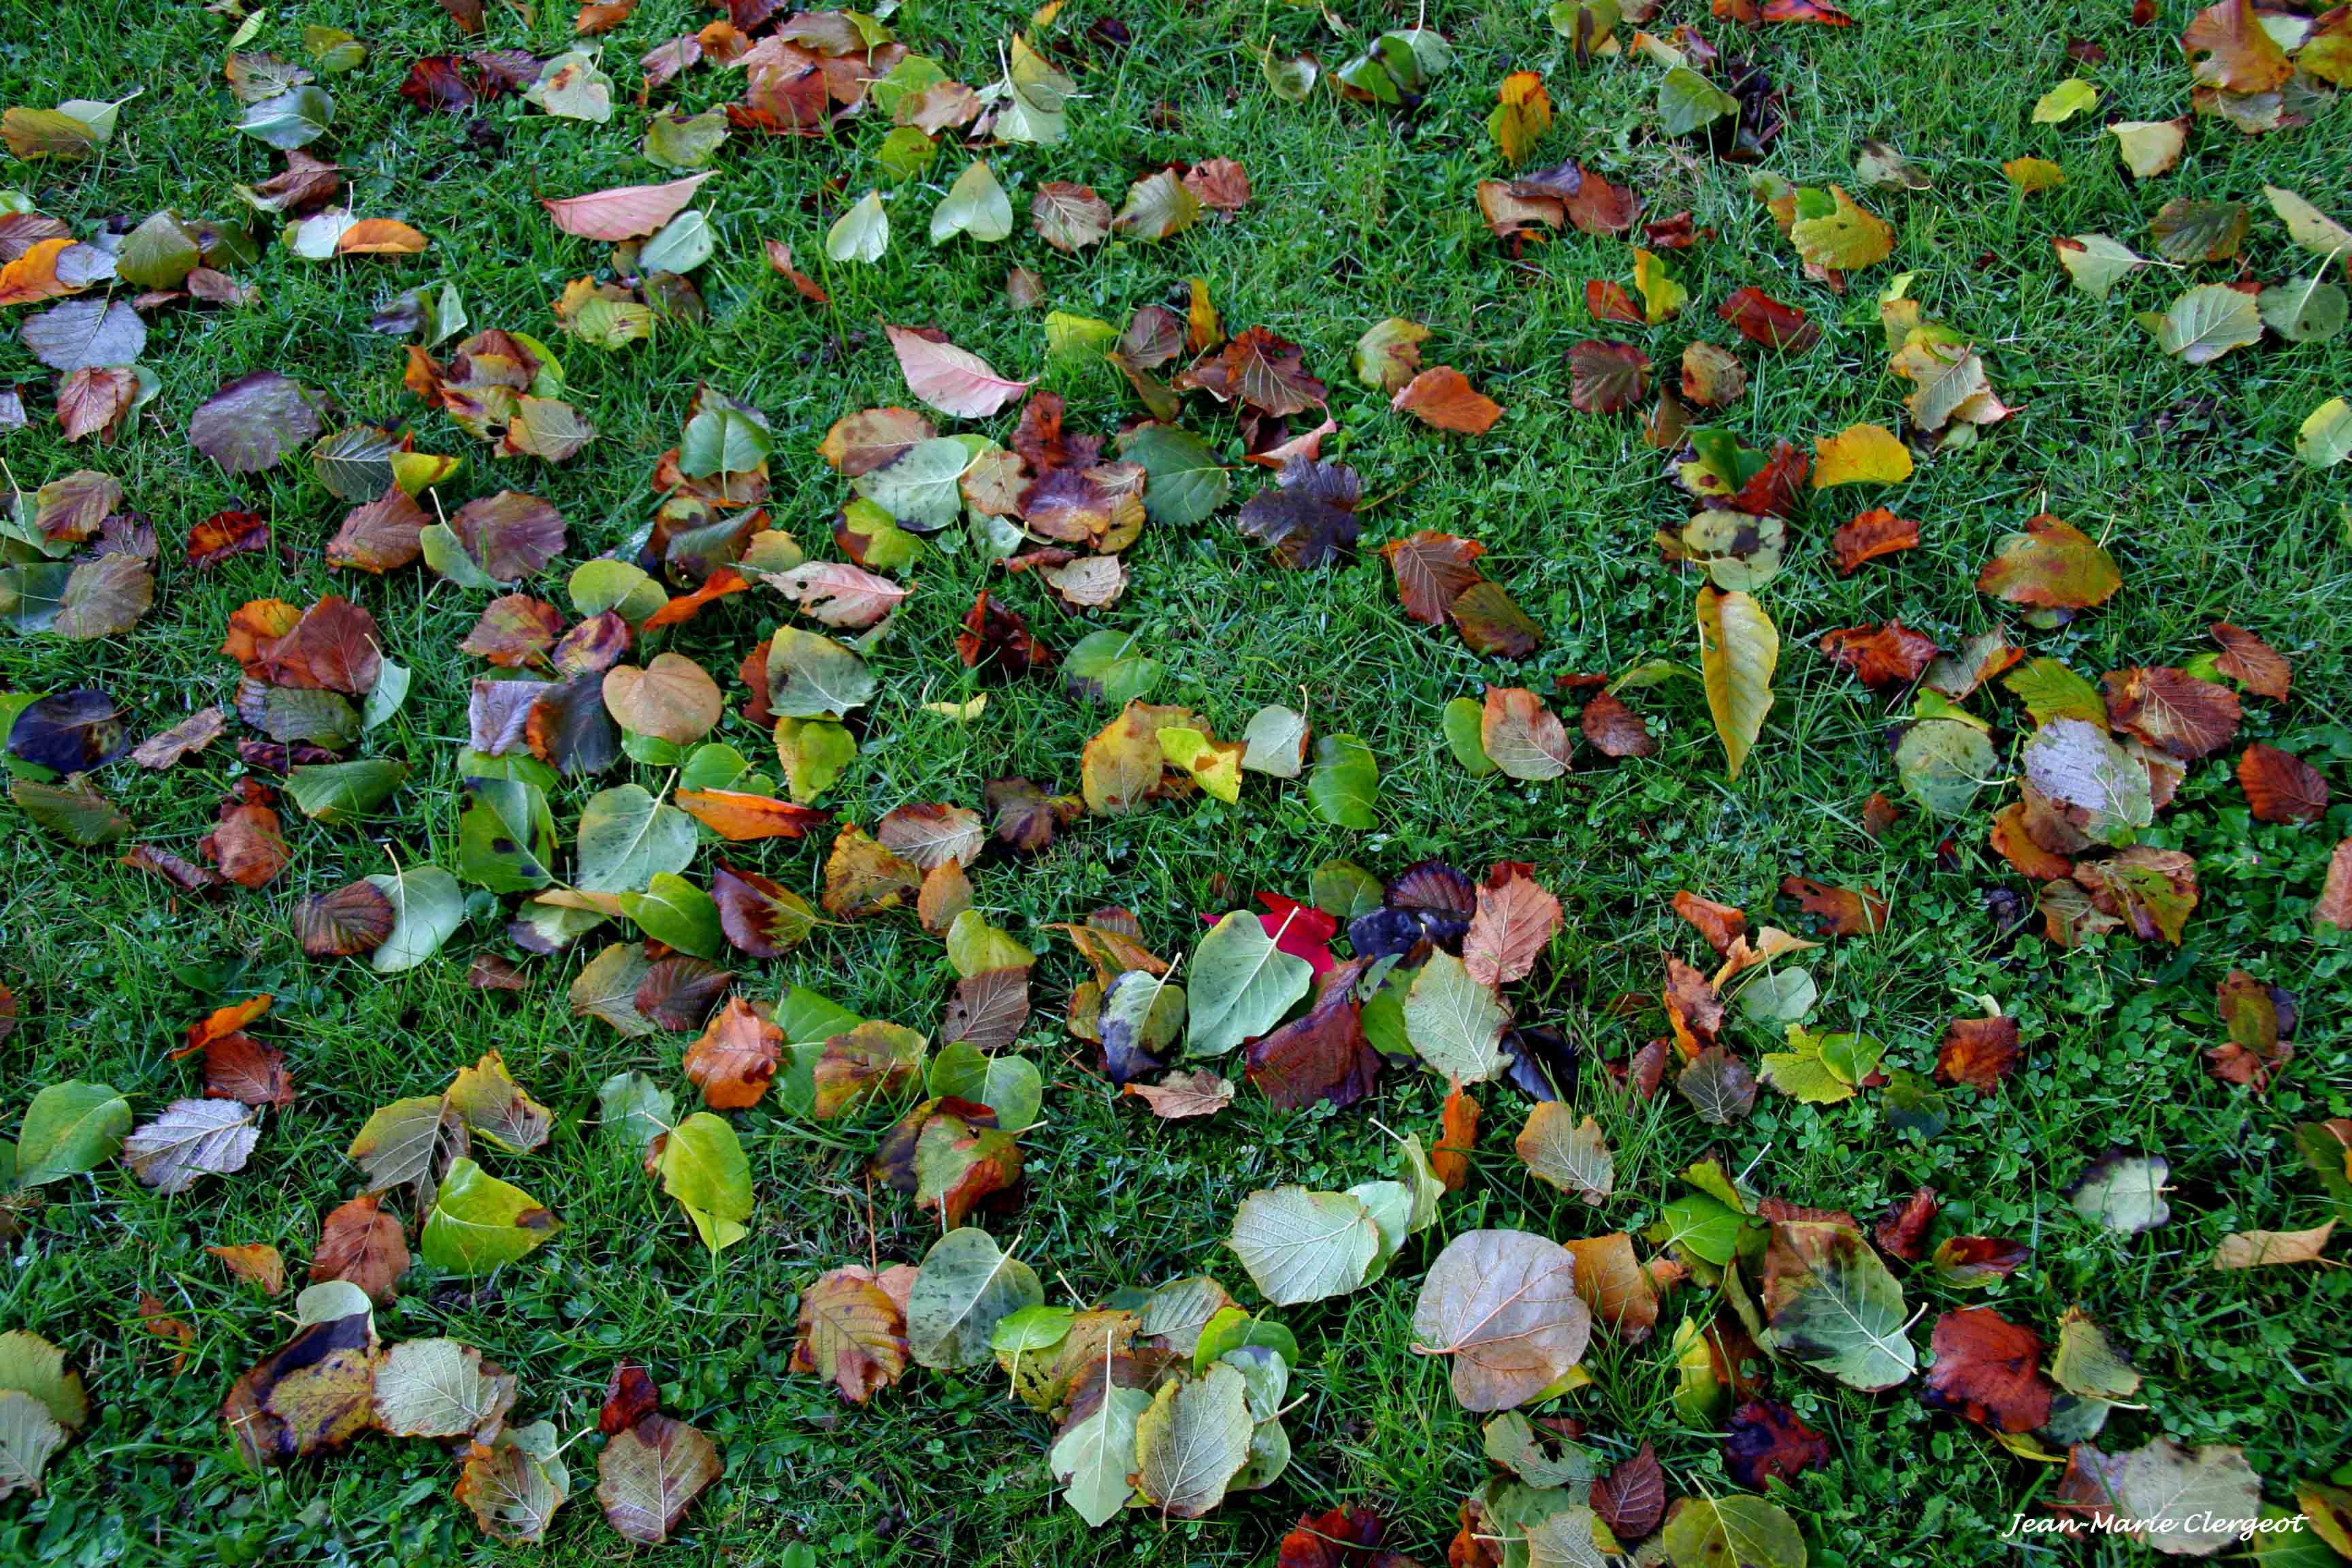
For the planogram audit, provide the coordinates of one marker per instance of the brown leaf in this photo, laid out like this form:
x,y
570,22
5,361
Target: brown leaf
x,y
381,535
246,844
1632,1497
863,877
1764,1438
1443,397
1763,320
1515,921
359,1242
354,917
649,1476
1988,1370
2172,710
1323,1056
2281,787
1720,924
988,1008
1712,377
2333,905
1883,656
514,631
758,915
1181,1095
257,1263
1491,622
223,534
1614,729
1905,1228
190,735
1870,535
238,1066
1606,377
1842,912
630,1396
1978,1052
2252,662
736,1058
679,991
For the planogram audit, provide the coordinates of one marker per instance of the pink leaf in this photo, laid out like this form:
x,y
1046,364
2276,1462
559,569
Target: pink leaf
x,y
951,380
625,212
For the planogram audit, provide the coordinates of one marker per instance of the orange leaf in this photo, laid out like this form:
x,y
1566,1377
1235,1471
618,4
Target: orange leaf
x,y
1442,396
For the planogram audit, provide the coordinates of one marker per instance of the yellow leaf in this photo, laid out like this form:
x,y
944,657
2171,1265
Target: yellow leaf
x,y
1522,117
2065,101
1737,649
2150,147
1662,296
1215,765
1860,455
2032,174
1844,239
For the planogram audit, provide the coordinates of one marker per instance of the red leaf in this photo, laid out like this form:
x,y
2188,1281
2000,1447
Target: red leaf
x,y
1988,1370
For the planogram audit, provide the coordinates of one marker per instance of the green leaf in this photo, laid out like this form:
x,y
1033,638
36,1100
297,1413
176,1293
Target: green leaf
x,y
975,206
1835,1309
1687,102
29,1437
920,487
1301,1245
675,912
505,837
427,907
703,1167
1944,762
1093,1457
966,1286
1823,1069
1192,1442
2097,263
2325,437
2304,310
1465,723
1007,1084
1732,1531
343,791
291,119
633,1110
811,676
70,1127
627,838
479,1222
1345,783
1242,984
2205,323
2062,102
722,438
1185,483
863,233
1109,666
1454,1023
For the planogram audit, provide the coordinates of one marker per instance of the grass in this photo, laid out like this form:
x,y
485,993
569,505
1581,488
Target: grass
x,y
2185,472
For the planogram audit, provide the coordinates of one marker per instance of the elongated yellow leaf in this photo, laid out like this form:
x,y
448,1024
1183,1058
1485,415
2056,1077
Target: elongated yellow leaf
x,y
1737,649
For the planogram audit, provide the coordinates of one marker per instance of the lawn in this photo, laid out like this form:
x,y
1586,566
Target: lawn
x,y
2185,473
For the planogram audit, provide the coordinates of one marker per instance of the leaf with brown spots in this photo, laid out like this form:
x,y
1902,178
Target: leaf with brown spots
x,y
852,1332
1905,1228
514,631
2256,1021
